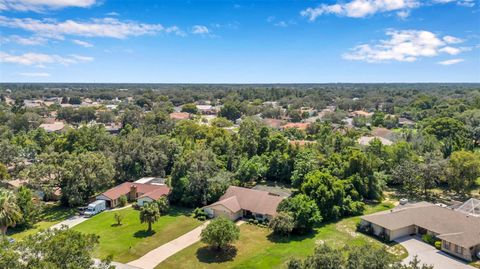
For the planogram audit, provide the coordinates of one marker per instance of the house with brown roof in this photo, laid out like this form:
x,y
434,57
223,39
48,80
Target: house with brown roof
x,y
238,202
53,127
296,125
179,116
458,231
134,191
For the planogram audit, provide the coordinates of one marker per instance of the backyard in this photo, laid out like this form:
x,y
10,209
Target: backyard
x,y
51,214
257,248
130,240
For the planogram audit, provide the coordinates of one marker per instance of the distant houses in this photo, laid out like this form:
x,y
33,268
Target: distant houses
x,y
54,127
365,140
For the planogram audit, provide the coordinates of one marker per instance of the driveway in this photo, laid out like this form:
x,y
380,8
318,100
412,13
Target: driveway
x,y
70,222
158,255
430,255
163,252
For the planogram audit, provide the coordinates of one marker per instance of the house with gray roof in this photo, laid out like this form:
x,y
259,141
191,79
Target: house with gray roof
x,y
458,231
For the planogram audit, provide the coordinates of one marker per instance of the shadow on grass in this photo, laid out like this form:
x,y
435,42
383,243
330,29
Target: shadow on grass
x,y
275,238
115,225
144,233
176,211
210,255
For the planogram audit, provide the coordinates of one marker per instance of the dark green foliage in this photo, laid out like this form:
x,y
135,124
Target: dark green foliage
x,y
220,233
304,211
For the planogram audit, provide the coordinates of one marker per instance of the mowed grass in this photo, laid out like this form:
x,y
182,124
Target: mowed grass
x,y
130,240
258,248
51,214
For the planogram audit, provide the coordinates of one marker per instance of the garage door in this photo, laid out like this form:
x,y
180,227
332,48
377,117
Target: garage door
x,y
402,232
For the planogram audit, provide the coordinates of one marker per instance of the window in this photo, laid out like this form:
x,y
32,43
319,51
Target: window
x,y
446,245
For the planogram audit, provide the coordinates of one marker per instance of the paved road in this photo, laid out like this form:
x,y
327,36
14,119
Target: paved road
x,y
158,255
430,255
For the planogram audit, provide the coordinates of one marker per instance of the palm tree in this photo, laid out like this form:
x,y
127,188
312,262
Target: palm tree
x,y
10,213
149,213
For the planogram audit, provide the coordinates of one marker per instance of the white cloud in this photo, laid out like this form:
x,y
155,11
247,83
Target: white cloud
x,y
364,8
403,46
359,8
200,30
450,50
450,62
42,74
113,13
26,41
82,43
41,59
452,39
106,27
41,5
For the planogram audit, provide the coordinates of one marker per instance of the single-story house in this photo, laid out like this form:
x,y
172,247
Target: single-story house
x,y
134,191
238,202
152,196
365,140
180,116
296,125
405,122
57,126
458,231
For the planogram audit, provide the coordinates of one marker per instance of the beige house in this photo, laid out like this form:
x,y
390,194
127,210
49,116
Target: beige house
x,y
240,202
459,231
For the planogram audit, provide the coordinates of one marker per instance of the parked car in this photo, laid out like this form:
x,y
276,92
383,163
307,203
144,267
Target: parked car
x,y
95,208
82,209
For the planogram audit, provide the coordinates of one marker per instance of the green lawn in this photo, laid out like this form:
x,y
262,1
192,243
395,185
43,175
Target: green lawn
x,y
130,240
258,249
51,215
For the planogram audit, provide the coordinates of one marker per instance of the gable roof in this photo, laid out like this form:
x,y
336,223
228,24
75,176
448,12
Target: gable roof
x,y
236,198
124,188
453,226
156,194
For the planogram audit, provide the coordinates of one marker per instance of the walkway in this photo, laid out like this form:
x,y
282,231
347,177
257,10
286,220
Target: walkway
x,y
70,222
156,256
430,255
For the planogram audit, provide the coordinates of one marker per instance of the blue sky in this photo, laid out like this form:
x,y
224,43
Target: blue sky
x,y
174,41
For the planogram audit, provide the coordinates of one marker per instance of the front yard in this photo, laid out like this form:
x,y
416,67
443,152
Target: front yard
x,y
130,240
257,248
51,214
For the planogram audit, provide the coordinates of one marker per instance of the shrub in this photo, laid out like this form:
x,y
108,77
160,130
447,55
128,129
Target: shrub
x,y
199,214
122,200
163,205
255,221
136,206
429,239
438,244
118,218
283,223
250,221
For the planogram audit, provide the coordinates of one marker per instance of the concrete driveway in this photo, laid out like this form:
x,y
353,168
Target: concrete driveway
x,y
70,222
158,255
430,255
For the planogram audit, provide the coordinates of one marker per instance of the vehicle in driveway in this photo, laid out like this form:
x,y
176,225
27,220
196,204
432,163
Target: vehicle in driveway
x,y
95,208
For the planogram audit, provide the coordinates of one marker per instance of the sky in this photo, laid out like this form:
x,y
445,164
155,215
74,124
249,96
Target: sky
x,y
222,41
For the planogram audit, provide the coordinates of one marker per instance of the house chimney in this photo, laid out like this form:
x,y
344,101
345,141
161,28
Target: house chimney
x,y
133,192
